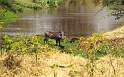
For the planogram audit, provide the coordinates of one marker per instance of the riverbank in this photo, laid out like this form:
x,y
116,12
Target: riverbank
x,y
117,33
37,59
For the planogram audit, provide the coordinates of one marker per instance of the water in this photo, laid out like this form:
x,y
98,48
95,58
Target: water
x,y
72,20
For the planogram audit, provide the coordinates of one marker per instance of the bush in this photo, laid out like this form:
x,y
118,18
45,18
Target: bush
x,y
11,62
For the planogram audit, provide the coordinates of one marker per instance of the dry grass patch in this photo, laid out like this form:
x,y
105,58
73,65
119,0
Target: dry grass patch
x,y
62,65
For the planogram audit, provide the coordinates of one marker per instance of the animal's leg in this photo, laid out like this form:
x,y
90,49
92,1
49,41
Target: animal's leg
x,y
59,41
44,41
56,42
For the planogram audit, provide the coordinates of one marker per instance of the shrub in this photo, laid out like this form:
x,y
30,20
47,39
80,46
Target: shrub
x,y
11,62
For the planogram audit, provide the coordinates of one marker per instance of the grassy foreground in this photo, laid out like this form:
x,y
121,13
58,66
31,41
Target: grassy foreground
x,y
57,64
50,61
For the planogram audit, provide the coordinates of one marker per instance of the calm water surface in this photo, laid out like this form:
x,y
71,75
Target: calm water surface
x,y
74,20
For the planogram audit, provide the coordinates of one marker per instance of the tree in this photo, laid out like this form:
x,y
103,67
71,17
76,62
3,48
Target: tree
x,y
115,6
10,5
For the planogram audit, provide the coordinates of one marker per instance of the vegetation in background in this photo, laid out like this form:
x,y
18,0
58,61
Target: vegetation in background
x,y
10,8
115,7
11,5
7,16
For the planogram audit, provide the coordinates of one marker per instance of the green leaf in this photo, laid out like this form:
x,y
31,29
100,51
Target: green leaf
x,y
7,16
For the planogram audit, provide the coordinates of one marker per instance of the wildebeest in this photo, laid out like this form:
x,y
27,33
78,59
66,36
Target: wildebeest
x,y
54,35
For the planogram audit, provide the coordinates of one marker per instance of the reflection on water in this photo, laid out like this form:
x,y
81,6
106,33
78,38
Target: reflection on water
x,y
72,21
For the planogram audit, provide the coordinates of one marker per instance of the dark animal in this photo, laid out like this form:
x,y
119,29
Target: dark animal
x,y
58,38
73,38
53,35
46,38
62,47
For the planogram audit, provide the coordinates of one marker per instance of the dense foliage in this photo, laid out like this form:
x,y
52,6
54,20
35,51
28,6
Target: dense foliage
x,y
10,8
114,6
7,16
32,44
96,45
